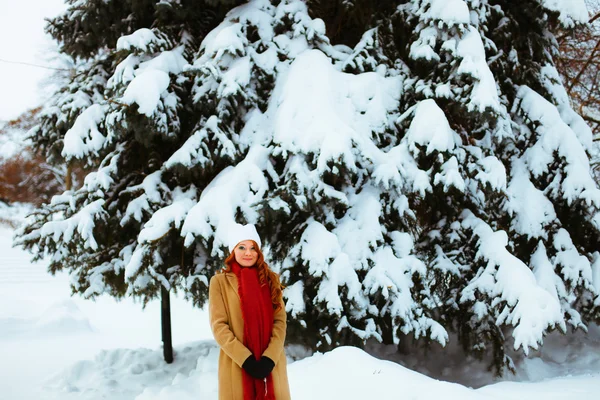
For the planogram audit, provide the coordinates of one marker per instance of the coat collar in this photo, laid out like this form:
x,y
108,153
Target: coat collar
x,y
233,282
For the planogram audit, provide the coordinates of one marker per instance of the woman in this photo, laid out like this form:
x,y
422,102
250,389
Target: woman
x,y
248,320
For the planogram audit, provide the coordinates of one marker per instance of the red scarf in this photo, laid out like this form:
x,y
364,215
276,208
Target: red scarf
x,y
257,311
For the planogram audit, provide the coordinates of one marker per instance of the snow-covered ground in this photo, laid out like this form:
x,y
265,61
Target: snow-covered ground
x,y
44,330
54,346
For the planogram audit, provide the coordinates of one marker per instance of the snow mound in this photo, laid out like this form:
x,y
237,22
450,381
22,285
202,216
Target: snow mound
x,y
343,373
62,318
125,373
351,373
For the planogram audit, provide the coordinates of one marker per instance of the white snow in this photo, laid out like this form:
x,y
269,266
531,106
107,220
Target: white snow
x,y
147,74
532,210
234,187
554,135
571,12
48,339
474,63
450,176
553,83
422,48
146,90
493,173
295,301
226,38
393,277
544,271
523,303
168,217
84,136
81,222
139,40
430,128
449,11
342,108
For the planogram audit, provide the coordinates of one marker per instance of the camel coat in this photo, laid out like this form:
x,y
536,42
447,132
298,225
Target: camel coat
x,y
227,325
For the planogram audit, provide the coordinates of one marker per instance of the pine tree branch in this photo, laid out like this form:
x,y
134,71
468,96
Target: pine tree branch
x,y
58,174
117,102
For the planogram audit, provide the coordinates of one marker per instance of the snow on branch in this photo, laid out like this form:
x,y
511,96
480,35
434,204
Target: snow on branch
x,y
84,138
195,151
393,276
556,136
152,189
430,128
474,63
451,12
166,218
511,287
344,109
149,86
143,40
321,251
82,222
235,187
570,12
553,84
531,210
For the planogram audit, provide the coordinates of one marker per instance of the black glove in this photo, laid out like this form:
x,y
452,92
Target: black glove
x,y
258,369
266,365
252,367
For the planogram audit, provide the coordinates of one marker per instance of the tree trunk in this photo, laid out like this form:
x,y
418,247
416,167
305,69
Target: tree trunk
x,y
165,320
69,177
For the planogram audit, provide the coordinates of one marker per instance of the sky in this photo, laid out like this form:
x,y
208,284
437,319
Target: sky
x,y
22,39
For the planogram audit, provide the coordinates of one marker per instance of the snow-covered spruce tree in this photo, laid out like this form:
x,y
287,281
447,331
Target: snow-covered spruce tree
x,y
425,176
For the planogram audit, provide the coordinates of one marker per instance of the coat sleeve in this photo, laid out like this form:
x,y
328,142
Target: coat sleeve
x,y
219,323
275,347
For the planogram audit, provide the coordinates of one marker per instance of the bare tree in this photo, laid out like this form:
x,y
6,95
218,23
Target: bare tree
x,y
578,62
25,176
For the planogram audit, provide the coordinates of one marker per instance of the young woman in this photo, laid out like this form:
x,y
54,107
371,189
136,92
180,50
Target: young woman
x,y
248,320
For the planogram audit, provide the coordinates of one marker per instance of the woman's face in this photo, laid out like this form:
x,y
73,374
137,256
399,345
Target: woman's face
x,y
245,253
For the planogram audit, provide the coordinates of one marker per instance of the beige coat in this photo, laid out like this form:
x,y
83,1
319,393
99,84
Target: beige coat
x,y
228,328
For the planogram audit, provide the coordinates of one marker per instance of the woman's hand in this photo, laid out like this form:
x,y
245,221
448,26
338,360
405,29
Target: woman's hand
x,y
267,365
258,369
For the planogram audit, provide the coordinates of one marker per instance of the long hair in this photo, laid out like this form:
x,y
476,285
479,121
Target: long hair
x,y
265,275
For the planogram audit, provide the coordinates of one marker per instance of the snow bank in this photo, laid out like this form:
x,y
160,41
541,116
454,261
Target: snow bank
x,y
343,373
140,374
350,373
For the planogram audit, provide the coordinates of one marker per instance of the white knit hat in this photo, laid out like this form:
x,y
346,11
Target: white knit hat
x,y
239,233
